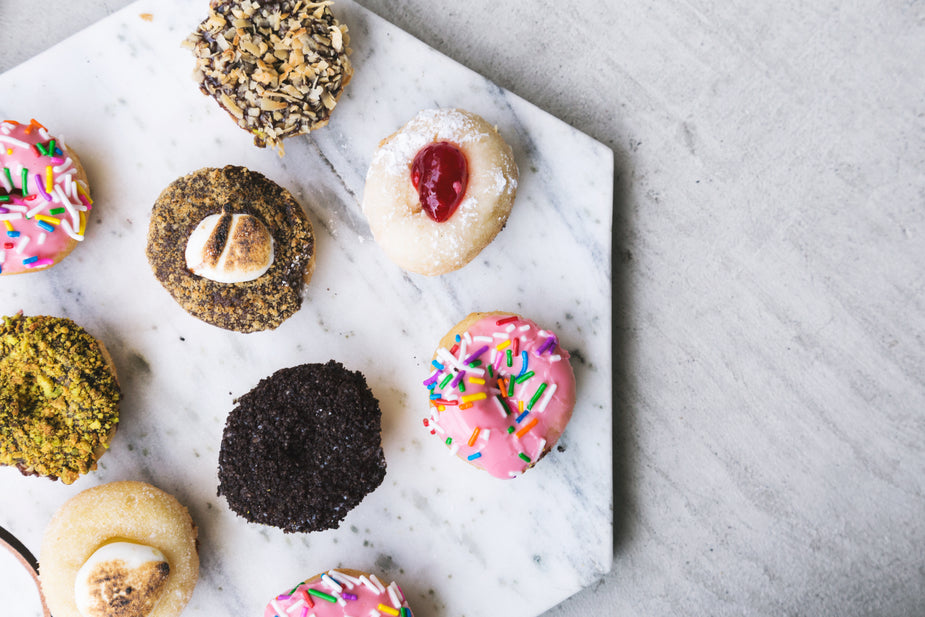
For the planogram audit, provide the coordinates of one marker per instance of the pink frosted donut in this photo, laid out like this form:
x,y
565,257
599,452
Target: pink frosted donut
x,y
338,593
502,391
44,198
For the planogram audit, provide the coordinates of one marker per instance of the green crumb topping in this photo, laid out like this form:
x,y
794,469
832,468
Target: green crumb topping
x,y
59,398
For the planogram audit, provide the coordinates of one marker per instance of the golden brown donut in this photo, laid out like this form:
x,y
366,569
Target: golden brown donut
x,y
133,512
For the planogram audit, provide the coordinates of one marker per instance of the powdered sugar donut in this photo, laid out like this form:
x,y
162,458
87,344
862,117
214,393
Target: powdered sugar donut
x,y
439,190
501,390
44,198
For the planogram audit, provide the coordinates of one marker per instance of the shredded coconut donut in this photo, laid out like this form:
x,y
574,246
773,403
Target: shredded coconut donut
x,y
277,67
392,203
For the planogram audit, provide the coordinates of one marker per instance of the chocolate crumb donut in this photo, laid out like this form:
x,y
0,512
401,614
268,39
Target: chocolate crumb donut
x,y
59,397
260,303
302,448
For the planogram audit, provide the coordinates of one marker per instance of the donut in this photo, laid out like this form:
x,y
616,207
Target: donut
x,y
302,448
501,392
232,247
44,198
123,548
59,397
340,593
439,190
278,68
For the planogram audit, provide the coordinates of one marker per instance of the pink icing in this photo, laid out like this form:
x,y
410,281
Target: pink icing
x,y
506,440
353,596
39,223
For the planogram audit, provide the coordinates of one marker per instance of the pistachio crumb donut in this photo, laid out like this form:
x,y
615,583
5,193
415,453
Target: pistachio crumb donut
x,y
59,397
339,593
123,548
439,190
501,392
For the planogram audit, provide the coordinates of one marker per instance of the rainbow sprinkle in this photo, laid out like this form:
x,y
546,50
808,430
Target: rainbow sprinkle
x,y
320,594
536,396
526,429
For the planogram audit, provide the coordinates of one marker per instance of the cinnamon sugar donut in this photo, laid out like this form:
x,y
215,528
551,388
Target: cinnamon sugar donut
x,y
439,190
44,198
501,390
123,548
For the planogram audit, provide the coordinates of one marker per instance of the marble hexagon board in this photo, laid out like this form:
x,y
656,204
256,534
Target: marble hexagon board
x,y
460,542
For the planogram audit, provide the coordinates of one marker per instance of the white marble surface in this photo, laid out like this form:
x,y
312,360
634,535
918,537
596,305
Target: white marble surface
x,y
459,541
769,338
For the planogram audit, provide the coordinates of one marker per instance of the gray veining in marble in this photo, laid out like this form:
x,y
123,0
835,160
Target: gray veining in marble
x,y
459,541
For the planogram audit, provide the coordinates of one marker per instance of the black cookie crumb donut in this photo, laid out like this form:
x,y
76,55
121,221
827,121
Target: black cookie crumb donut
x,y
261,304
302,448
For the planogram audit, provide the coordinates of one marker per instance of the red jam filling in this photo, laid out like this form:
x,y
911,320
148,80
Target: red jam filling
x,y
440,173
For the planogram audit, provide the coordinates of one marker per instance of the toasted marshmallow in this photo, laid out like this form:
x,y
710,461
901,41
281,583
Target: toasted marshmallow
x,y
121,579
230,248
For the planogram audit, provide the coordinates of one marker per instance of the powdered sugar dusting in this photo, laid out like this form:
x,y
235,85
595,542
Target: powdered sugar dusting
x,y
428,126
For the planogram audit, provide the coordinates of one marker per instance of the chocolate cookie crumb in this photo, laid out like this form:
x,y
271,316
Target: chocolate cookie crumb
x,y
302,448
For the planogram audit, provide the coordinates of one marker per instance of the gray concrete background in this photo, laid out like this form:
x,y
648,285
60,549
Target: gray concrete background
x,y
769,320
